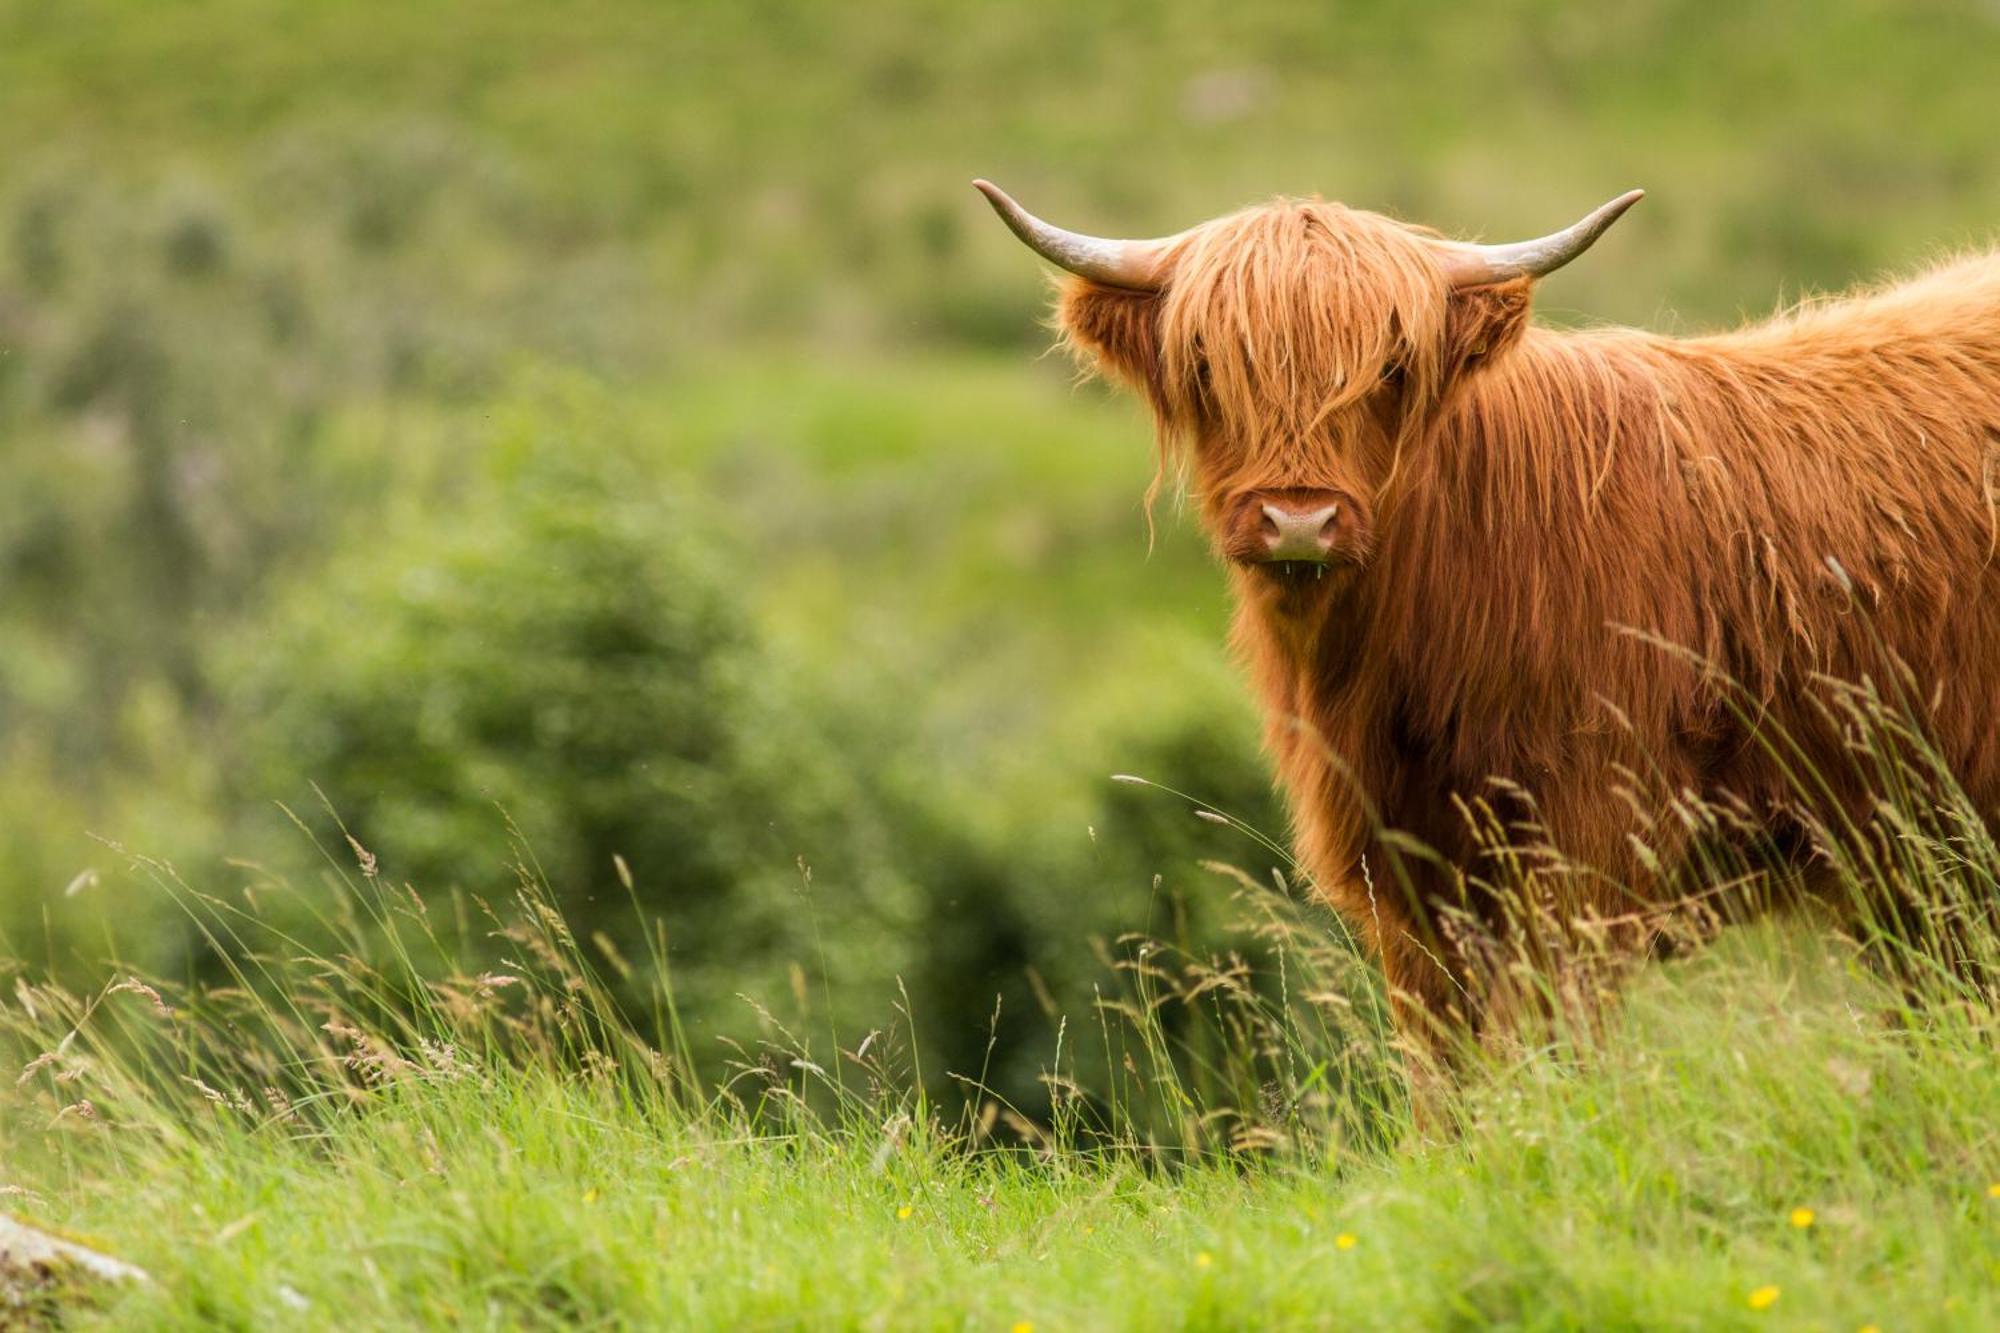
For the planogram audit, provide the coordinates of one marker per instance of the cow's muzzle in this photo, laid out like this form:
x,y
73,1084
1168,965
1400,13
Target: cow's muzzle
x,y
1290,533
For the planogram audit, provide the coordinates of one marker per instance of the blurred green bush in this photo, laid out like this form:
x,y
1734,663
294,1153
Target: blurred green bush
x,y
554,674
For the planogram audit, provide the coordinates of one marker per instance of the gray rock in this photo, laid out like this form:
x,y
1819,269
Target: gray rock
x,y
36,1268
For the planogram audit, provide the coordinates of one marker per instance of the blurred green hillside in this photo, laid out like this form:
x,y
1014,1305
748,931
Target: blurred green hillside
x,y
610,438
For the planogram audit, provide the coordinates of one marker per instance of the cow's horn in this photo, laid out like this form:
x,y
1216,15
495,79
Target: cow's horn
x,y
1476,265
1131,264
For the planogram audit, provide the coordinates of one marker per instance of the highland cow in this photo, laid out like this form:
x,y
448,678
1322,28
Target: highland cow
x,y
1491,578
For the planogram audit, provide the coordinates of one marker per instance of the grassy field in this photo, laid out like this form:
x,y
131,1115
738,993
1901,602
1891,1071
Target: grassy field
x,y
1764,1137
600,459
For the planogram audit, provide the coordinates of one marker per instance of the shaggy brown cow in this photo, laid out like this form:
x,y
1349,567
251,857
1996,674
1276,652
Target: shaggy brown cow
x,y
1459,544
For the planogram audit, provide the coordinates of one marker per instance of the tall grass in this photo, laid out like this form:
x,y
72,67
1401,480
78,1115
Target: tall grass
x,y
331,1001
1279,1042
442,1112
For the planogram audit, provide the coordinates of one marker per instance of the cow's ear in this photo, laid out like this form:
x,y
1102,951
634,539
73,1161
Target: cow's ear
x,y
1483,322
1114,331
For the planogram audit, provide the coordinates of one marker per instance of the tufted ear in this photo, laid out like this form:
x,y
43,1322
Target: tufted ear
x,y
1482,323
1113,331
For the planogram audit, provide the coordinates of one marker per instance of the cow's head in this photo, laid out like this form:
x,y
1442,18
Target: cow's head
x,y
1290,352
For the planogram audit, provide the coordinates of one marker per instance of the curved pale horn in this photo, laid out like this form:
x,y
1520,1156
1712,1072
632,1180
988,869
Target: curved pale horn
x,y
1130,264
1476,265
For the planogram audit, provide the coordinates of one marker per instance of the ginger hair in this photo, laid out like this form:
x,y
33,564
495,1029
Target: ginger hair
x,y
1595,553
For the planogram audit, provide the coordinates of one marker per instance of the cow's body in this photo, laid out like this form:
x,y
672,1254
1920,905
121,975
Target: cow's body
x,y
1569,574
1814,498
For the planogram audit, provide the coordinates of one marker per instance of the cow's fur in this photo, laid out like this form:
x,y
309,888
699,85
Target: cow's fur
x,y
1533,514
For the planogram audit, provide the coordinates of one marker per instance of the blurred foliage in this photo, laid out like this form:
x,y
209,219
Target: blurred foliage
x,y
791,165
618,423
567,681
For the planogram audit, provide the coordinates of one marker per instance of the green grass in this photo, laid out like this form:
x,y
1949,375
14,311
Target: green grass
x,y
1651,1188
352,1138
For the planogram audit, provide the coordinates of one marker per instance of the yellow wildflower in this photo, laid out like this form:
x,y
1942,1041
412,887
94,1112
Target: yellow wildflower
x,y
1345,1241
903,1213
1993,1190
1204,1259
1763,1298
1023,1326
1803,1217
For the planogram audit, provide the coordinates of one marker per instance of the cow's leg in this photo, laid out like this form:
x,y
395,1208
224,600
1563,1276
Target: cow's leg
x,y
1435,1016
1581,901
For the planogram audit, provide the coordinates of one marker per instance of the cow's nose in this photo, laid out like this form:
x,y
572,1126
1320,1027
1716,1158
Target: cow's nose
x,y
1294,534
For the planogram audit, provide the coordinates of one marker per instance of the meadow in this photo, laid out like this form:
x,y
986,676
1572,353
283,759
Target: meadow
x,y
1770,1135
564,647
